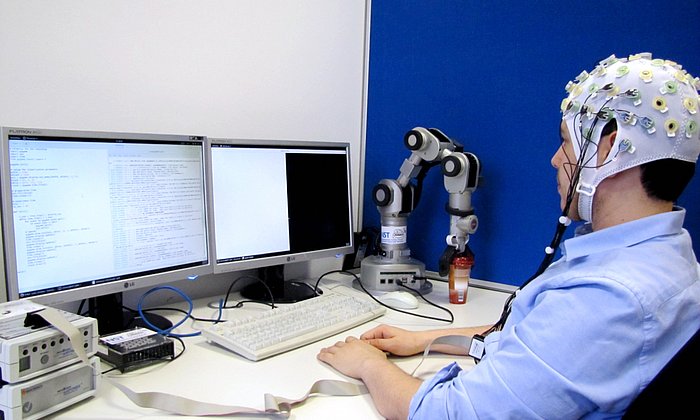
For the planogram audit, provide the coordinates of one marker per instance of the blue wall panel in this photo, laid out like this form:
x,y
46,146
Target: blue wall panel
x,y
491,74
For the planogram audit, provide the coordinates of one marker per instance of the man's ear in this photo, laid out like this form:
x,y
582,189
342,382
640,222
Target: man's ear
x,y
605,146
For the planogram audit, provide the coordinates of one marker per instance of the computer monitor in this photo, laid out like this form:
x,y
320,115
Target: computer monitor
x,y
93,214
278,202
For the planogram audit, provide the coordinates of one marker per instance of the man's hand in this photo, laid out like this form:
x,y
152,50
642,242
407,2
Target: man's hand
x,y
396,341
390,387
352,357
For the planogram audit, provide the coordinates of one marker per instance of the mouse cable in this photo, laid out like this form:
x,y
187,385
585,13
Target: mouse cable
x,y
449,321
452,317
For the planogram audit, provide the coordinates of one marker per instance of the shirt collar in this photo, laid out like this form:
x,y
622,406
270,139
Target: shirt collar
x,y
587,242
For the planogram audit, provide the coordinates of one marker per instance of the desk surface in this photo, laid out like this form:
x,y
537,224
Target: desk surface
x,y
206,372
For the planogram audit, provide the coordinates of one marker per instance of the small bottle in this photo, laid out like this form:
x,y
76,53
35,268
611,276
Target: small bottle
x,y
460,271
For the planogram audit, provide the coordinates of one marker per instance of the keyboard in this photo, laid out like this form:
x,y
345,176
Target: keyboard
x,y
293,325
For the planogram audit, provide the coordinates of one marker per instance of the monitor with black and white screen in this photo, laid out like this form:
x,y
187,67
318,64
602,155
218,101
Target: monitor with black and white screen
x,y
93,214
278,202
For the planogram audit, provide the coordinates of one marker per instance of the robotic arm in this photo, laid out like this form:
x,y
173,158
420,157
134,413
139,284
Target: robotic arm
x,y
461,174
396,199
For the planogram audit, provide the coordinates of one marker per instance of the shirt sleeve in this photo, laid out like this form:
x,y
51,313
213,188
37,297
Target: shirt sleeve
x,y
434,396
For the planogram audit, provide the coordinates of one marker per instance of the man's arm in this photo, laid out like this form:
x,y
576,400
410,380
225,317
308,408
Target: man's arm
x,y
406,343
390,387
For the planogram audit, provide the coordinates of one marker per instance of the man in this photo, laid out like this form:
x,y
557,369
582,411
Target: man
x,y
584,337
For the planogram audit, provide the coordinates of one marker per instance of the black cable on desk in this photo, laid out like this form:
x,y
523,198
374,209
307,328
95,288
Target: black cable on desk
x,y
190,316
240,304
451,320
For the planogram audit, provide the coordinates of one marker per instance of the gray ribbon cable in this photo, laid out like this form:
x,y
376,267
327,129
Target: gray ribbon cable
x,y
460,341
55,318
274,406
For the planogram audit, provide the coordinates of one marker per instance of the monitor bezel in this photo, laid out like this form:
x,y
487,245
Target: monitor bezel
x,y
132,282
287,257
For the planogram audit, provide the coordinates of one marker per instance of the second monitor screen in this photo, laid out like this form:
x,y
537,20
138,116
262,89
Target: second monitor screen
x,y
279,200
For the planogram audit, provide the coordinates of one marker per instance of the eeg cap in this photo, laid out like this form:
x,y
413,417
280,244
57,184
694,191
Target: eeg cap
x,y
655,103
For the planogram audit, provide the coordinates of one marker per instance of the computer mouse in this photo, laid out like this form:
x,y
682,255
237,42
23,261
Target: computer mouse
x,y
399,300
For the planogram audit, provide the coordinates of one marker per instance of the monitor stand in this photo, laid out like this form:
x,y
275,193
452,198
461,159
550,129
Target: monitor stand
x,y
282,291
112,317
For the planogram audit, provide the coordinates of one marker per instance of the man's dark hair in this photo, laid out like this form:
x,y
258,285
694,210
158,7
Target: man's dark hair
x,y
666,179
663,179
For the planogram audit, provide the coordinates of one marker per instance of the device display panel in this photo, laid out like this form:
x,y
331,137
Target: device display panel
x,y
90,213
279,202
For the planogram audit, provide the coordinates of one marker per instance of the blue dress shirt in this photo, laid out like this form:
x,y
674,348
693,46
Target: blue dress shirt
x,y
585,337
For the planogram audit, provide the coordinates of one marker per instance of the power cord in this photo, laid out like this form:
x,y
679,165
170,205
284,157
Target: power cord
x,y
223,303
189,316
433,278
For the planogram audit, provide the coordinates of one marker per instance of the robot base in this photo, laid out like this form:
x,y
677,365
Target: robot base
x,y
383,275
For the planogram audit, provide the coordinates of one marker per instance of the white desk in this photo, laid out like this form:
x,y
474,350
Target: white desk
x,y
206,372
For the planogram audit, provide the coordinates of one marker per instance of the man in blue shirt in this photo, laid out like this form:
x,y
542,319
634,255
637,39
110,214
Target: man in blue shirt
x,y
588,334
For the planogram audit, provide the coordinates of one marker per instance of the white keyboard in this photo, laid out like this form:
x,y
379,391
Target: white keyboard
x,y
293,325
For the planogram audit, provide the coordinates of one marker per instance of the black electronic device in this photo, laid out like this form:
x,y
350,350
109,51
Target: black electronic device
x,y
135,348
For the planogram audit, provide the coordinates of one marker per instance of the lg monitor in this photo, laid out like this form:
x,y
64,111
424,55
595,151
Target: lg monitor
x,y
93,214
278,202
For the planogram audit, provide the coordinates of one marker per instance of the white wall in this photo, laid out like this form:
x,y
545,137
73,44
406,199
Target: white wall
x,y
271,69
267,69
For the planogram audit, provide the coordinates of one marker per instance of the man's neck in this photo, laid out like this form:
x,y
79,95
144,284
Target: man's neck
x,y
621,199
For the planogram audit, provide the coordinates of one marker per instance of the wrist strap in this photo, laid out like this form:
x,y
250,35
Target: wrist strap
x,y
473,346
477,348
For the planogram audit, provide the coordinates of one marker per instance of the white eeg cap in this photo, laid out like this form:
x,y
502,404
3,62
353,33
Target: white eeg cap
x,y
655,103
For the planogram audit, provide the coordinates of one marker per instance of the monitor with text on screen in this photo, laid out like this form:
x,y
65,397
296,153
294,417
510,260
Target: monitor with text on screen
x,y
278,202
89,214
